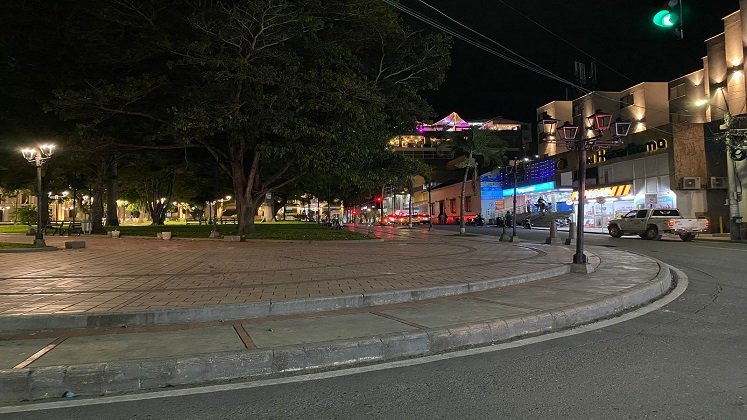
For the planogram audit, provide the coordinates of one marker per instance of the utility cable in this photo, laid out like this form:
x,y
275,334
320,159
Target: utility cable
x,y
480,45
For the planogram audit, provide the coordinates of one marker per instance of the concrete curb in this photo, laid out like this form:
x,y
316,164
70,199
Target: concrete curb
x,y
261,309
128,376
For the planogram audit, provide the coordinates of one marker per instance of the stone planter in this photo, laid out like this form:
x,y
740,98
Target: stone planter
x,y
166,236
115,234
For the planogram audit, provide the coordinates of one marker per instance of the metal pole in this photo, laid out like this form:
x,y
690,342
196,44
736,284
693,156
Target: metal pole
x,y
579,257
381,220
39,238
513,219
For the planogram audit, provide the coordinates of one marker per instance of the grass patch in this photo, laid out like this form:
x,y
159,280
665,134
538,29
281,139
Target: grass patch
x,y
6,245
276,230
15,228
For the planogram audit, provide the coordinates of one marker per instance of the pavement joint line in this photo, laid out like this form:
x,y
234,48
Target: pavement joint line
x,y
400,320
244,336
500,303
36,356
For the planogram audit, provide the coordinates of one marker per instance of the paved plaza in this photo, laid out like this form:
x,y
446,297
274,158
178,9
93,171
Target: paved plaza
x,y
132,314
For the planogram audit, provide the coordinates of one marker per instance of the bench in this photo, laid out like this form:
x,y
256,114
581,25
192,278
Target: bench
x,y
74,227
55,227
59,228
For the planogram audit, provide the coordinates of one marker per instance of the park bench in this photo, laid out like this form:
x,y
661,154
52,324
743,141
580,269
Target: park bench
x,y
74,228
55,227
59,228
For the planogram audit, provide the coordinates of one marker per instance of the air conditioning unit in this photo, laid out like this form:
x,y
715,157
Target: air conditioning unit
x,y
690,183
718,183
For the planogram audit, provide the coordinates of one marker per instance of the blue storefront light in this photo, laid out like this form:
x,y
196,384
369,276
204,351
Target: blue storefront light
x,y
536,188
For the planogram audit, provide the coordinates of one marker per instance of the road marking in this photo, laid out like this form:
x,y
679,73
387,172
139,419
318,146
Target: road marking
x,y
682,283
718,247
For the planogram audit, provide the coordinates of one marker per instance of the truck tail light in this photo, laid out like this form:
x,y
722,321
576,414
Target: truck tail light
x,y
670,223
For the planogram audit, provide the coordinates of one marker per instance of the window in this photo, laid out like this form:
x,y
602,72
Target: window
x,y
666,213
631,214
452,204
468,204
677,91
641,214
627,100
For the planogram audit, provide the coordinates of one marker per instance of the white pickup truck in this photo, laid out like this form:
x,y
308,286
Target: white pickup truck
x,y
652,223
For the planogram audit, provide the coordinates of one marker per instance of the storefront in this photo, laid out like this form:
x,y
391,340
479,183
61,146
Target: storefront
x,y
527,196
607,203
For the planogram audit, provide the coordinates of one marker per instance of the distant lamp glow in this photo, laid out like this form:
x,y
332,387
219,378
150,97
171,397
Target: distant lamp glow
x,y
28,154
701,102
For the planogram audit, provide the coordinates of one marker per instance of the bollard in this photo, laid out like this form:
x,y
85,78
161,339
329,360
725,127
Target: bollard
x,y
504,237
553,238
571,234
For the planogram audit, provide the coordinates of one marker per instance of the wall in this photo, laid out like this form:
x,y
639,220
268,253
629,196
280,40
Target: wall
x,y
452,192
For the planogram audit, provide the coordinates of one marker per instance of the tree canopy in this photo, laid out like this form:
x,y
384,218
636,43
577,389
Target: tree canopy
x,y
272,90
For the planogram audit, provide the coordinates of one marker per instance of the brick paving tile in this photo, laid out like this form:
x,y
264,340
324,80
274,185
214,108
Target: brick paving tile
x,y
132,274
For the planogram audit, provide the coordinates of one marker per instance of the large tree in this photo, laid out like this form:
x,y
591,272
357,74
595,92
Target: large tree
x,y
293,87
271,89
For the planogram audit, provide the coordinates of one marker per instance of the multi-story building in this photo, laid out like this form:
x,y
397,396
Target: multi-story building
x,y
441,198
676,154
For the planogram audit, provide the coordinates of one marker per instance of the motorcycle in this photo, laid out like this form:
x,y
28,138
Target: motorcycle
x,y
526,224
476,221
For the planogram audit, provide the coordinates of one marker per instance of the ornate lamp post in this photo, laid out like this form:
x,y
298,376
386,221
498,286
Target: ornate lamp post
x,y
601,133
37,156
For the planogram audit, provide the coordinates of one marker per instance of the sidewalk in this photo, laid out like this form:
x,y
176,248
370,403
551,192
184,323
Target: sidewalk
x,y
133,314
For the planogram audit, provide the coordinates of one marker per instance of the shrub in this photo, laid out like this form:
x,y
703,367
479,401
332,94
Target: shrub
x,y
26,215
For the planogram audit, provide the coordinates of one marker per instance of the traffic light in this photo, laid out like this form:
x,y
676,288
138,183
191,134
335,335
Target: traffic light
x,y
671,17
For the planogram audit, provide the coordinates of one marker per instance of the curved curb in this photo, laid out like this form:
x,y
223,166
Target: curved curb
x,y
262,309
128,376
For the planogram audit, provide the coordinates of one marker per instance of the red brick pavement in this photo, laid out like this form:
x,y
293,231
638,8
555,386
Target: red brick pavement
x,y
135,274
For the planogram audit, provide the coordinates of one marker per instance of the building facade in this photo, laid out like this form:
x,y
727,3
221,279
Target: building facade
x,y
678,153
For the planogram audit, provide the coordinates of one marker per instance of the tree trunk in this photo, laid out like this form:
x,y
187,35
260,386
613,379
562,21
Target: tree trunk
x,y
245,211
112,218
97,205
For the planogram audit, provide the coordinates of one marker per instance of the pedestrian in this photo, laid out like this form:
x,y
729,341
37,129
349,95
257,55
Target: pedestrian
x,y
509,218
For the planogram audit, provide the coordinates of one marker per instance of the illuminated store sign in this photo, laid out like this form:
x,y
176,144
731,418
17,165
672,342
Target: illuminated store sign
x,y
545,186
602,155
615,191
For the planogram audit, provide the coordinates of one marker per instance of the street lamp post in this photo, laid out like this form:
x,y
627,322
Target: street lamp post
x,y
601,134
514,173
37,156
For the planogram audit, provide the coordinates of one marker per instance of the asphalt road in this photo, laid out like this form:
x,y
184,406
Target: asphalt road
x,y
687,360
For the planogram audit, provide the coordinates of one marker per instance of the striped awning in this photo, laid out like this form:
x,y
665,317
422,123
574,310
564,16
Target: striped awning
x,y
613,191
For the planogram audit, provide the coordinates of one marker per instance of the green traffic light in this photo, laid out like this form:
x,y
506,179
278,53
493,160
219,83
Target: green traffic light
x,y
665,19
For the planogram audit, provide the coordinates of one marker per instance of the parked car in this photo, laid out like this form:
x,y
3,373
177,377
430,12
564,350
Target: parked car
x,y
652,223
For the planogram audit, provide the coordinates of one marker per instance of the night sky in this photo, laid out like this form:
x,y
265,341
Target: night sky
x,y
619,34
